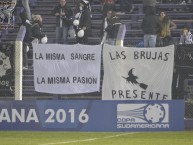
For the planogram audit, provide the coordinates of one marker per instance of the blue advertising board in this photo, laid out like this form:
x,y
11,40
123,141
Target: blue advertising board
x,y
92,115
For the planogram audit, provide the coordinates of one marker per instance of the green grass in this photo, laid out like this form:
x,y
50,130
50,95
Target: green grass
x,y
97,138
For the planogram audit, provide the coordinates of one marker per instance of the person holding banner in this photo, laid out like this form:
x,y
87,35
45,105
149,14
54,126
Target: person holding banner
x,y
37,34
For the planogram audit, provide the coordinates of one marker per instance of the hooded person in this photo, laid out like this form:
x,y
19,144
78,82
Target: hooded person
x,y
82,22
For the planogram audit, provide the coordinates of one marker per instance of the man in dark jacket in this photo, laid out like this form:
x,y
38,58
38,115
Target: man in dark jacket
x,y
84,25
151,26
63,15
111,27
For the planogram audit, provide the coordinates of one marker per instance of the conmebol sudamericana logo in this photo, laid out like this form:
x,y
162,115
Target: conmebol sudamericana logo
x,y
143,113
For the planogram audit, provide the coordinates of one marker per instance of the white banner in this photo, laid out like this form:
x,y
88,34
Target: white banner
x,y
66,69
137,73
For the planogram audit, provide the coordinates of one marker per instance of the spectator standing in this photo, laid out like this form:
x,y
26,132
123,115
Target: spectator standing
x,y
63,15
82,22
167,26
111,27
151,26
186,36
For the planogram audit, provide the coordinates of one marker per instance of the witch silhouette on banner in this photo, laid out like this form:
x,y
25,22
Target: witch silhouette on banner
x,y
133,80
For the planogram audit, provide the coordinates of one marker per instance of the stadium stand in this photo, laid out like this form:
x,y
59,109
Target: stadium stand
x,y
181,14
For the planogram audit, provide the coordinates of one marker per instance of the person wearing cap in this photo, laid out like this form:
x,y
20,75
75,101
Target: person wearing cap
x,y
82,22
63,15
186,36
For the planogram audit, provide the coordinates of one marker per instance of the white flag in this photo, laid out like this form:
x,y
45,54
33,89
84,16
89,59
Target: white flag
x,y
66,69
137,73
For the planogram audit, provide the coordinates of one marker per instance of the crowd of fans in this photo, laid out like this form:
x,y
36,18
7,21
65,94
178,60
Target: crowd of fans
x,y
111,23
76,22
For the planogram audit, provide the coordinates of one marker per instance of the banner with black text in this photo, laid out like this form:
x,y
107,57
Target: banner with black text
x,y
132,73
66,69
